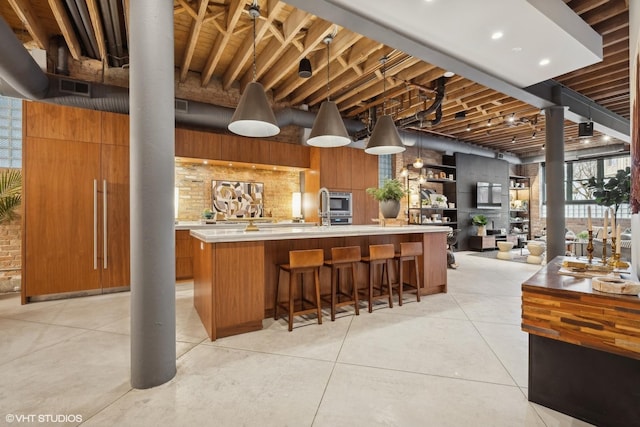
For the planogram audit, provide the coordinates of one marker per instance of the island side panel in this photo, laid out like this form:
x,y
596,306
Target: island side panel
x,y
238,284
434,263
203,256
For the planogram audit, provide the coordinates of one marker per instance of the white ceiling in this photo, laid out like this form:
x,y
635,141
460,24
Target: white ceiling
x,y
532,30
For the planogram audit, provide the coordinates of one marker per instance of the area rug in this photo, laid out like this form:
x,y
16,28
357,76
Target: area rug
x,y
517,257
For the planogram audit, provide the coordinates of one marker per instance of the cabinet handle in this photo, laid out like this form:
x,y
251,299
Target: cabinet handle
x,y
95,224
104,222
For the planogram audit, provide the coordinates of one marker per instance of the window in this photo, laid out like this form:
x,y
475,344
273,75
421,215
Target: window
x,y
10,132
385,170
577,173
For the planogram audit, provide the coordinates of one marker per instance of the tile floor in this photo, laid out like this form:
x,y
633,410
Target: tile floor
x,y
455,359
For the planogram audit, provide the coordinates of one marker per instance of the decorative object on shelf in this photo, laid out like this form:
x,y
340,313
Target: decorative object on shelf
x,y
253,116
389,196
438,201
480,221
385,138
328,128
430,174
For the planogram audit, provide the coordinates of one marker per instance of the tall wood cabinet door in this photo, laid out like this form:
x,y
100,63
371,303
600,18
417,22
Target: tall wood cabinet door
x,y
114,260
59,209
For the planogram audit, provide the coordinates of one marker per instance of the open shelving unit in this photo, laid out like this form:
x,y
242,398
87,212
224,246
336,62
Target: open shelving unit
x,y
519,208
420,211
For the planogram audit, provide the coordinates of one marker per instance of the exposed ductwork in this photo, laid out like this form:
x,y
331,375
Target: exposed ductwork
x,y
444,145
421,116
19,72
82,22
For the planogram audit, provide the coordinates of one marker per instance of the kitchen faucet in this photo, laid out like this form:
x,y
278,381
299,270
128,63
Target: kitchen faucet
x,y
323,207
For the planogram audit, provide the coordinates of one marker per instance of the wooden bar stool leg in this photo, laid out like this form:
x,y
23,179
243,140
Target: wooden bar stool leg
x,y
371,278
415,260
334,278
291,285
275,306
388,264
355,287
316,274
400,281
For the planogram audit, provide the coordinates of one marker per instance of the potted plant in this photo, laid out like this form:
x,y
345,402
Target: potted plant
x,y
10,194
613,192
389,196
480,221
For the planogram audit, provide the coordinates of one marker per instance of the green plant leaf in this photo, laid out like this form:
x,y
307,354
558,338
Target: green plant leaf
x,y
10,193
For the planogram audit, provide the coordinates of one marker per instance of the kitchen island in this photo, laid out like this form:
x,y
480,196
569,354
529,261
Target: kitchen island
x,y
584,348
235,271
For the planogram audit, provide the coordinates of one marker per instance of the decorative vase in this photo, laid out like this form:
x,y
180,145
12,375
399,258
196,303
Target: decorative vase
x,y
390,208
482,230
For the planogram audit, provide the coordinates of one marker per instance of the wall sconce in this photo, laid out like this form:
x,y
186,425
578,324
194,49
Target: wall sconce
x,y
296,205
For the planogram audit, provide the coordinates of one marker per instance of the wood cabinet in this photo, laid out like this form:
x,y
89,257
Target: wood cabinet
x,y
342,169
480,243
76,201
184,255
232,148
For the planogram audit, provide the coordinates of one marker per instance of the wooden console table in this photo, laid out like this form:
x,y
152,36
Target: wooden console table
x,y
584,348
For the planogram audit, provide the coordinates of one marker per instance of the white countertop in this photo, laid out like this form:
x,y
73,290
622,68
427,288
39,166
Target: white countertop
x,y
217,235
198,225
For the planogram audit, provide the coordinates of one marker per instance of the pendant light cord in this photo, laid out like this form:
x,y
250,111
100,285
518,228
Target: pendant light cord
x,y
254,47
383,61
328,41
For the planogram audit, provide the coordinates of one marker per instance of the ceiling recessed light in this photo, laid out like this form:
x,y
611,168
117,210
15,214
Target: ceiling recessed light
x,y
512,118
516,49
449,74
586,141
497,35
513,140
205,162
544,62
489,122
468,128
230,165
606,138
543,146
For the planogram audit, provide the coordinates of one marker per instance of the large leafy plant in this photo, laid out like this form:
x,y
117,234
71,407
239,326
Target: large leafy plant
x,y
612,192
10,194
390,190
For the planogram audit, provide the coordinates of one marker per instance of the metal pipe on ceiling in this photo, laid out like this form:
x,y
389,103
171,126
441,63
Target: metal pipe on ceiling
x,y
80,28
117,21
111,39
88,27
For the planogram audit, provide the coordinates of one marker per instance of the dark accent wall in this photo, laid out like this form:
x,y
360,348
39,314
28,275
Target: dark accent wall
x,y
470,170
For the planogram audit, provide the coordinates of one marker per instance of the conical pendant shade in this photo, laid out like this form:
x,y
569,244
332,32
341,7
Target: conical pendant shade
x,y
328,128
253,116
385,138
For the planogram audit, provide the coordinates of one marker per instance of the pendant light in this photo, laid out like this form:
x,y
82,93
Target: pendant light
x,y
384,138
418,163
253,116
328,128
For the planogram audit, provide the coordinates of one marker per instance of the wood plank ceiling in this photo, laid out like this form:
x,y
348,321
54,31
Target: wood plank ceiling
x,y
214,40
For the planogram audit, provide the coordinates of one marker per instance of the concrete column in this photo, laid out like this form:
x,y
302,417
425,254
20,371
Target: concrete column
x,y
152,124
554,179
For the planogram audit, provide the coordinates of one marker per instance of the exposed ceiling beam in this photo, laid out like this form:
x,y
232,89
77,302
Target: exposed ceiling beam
x,y
245,52
23,9
96,23
66,28
608,121
236,8
272,52
194,33
343,41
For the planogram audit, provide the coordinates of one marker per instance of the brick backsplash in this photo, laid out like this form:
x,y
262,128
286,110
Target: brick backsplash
x,y
194,183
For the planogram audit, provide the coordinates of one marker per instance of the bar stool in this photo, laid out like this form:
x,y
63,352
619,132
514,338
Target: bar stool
x,y
409,251
343,258
300,262
379,255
